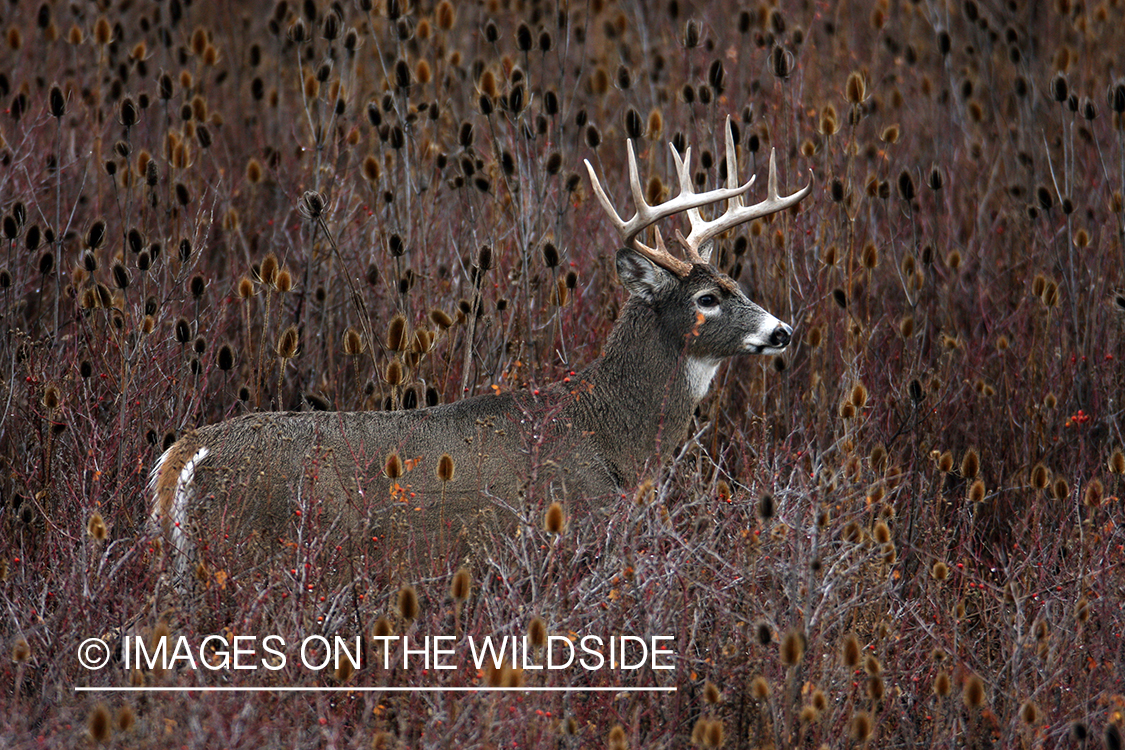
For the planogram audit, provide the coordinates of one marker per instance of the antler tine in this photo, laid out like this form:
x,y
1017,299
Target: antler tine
x,y
771,178
732,165
646,215
704,231
683,170
604,199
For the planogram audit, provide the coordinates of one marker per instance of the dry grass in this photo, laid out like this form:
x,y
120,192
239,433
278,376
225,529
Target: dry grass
x,y
209,209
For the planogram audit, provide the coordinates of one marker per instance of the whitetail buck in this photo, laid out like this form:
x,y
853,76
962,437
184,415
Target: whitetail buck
x,y
265,481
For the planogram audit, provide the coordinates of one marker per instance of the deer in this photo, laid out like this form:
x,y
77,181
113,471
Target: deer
x,y
252,481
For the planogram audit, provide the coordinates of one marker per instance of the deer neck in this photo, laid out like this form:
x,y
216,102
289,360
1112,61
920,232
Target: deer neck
x,y
642,393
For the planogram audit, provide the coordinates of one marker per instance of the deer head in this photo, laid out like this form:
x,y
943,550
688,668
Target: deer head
x,y
697,305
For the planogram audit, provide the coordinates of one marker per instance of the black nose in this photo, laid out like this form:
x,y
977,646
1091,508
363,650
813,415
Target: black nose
x,y
780,337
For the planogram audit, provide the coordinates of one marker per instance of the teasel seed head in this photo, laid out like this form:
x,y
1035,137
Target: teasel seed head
x,y
445,16
1111,736
353,342
861,726
197,285
441,319
245,288
394,374
408,603
462,585
267,271
554,520
970,464
593,136
713,734
445,468
1081,238
977,492
850,651
1029,713
537,632
855,90
792,649
781,62
371,169
96,527
906,186
182,331
766,507
809,715
876,688
1060,89
312,205
943,685
396,334
617,739
973,693
881,532
760,688
1082,611
939,571
344,670
225,358
1116,462
288,343
98,724
829,121
858,397
1079,732
52,397
762,633
254,171
691,34
1094,494
381,629
819,700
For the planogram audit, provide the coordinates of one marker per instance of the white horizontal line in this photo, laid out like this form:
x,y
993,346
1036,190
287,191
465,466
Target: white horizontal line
x,y
367,689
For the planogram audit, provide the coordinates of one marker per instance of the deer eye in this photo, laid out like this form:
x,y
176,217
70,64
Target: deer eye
x,y
708,301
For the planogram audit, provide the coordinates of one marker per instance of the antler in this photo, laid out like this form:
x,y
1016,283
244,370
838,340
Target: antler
x,y
646,215
698,242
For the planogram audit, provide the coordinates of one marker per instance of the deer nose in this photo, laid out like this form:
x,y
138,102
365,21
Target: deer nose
x,y
779,339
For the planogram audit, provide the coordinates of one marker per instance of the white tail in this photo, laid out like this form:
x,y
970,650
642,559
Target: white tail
x,y
237,486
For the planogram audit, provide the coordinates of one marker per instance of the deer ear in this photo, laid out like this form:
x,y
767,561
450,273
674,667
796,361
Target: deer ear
x,y
640,276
